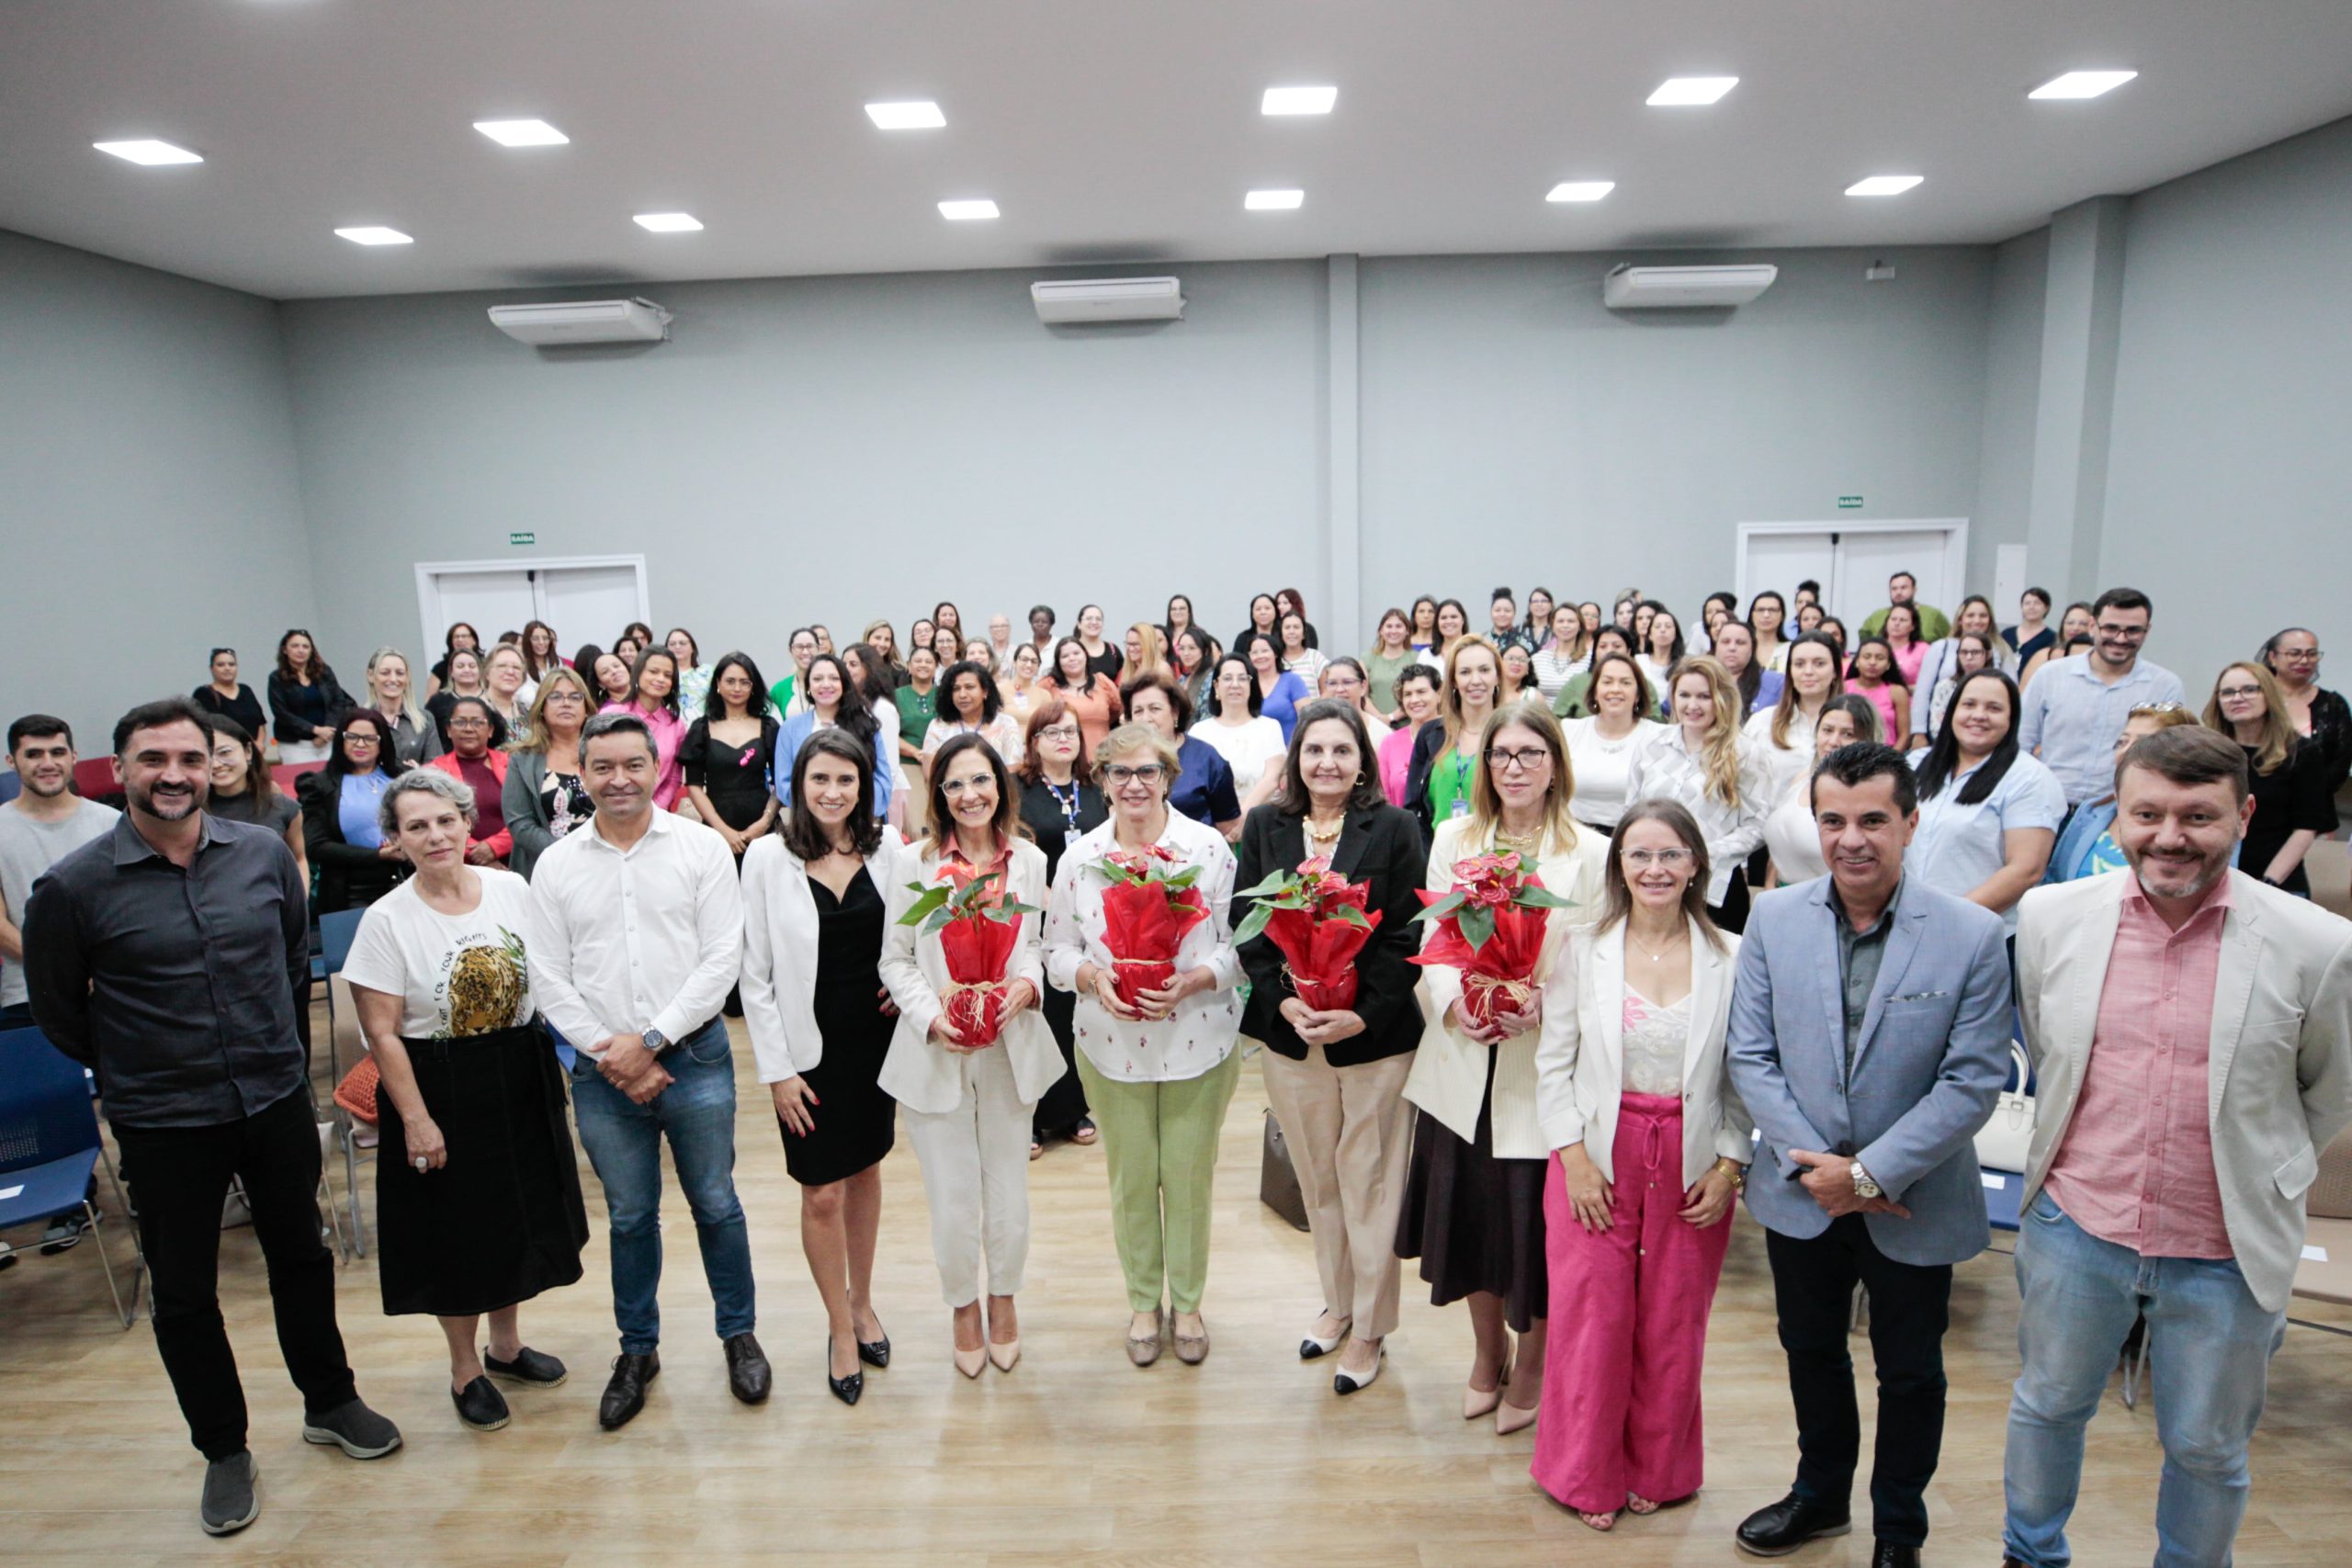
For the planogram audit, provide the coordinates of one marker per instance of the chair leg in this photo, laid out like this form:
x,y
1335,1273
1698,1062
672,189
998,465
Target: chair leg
x,y
138,1250
97,1239
351,1179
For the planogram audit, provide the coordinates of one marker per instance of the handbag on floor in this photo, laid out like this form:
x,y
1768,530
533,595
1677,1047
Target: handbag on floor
x,y
1277,1182
356,1092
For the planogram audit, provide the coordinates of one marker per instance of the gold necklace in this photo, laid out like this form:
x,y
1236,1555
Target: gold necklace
x,y
1521,841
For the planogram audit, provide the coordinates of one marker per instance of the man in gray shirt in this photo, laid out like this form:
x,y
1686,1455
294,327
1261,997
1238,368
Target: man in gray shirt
x,y
2076,708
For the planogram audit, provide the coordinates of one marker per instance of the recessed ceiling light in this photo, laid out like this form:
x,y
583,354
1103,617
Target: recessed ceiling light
x,y
1883,184
374,234
1272,200
2082,83
522,132
968,211
915,115
1683,91
1580,190
148,150
1299,100
668,223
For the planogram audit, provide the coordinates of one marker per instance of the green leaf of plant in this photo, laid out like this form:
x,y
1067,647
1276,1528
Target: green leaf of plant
x,y
1274,885
1347,914
934,898
1253,924
1442,908
1477,924
1541,898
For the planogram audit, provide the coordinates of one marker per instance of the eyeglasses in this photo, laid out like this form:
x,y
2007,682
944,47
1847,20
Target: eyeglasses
x,y
1667,859
467,721
2301,655
1142,772
2126,634
1526,760
359,738
954,787
1058,732
575,699
2228,692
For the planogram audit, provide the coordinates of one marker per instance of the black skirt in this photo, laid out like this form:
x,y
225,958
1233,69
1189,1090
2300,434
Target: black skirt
x,y
503,1220
857,1123
1063,1106
1475,1222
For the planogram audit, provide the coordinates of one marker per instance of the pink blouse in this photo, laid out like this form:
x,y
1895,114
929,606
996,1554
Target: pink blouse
x,y
669,733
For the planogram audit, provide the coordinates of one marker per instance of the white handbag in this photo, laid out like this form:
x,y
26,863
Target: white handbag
x,y
2002,1142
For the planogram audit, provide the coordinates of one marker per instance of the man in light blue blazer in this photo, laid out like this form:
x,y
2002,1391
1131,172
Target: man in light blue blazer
x,y
1870,1028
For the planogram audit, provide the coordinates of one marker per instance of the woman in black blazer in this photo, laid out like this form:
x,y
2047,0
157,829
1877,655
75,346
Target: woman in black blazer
x,y
305,699
1337,1078
342,828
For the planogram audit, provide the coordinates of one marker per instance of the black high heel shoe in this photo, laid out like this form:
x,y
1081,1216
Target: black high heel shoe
x,y
877,1354
847,1389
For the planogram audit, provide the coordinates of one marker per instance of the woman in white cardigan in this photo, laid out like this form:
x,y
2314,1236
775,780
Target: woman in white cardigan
x,y
814,899
969,1106
1652,1146
1473,1194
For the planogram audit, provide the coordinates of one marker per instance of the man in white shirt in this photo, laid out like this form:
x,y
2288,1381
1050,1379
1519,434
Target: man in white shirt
x,y
636,935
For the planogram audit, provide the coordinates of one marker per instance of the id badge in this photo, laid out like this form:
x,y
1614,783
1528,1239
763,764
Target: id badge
x,y
1461,808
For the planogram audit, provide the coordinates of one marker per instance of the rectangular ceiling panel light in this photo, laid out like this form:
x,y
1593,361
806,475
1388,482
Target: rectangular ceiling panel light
x,y
968,211
147,151
522,132
1681,92
914,115
1883,184
1272,200
1580,190
1299,100
2082,84
374,234
668,223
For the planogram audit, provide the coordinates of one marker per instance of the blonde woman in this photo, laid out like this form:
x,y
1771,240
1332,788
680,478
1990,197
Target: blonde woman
x,y
2289,774
1700,758
1441,779
1146,652
1474,1196
504,674
415,738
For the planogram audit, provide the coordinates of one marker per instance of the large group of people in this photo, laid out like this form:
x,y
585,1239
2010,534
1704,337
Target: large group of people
x,y
1798,885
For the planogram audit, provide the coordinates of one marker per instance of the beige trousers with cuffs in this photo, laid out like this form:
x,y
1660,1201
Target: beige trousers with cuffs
x,y
1350,1134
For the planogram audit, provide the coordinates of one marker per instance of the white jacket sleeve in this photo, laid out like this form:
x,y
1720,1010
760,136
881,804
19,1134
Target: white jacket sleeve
x,y
917,1003
1557,1049
763,1017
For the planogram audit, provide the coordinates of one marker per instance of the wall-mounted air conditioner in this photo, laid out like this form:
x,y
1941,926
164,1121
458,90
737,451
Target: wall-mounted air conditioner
x,y
1109,300
1683,288
583,320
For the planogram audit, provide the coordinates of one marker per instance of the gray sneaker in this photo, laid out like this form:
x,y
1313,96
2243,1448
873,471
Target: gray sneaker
x,y
355,1429
231,1493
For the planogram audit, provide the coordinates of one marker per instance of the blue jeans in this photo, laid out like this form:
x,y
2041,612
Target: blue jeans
x,y
2210,1345
624,1143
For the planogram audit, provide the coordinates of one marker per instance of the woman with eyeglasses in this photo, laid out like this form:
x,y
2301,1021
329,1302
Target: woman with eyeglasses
x,y
1474,1196
341,830
1203,788
1250,743
1018,688
544,797
2320,715
477,759
1060,802
1791,839
1159,1075
2292,806
1767,616
2076,624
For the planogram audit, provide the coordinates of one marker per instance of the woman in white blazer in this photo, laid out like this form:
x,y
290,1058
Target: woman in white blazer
x,y
1652,1148
1473,1194
815,896
968,1107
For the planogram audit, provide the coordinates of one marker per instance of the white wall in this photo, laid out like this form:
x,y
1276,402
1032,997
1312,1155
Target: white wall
x,y
147,469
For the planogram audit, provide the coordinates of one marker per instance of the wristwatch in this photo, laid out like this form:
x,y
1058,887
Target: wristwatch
x,y
1863,1185
1735,1173
657,1042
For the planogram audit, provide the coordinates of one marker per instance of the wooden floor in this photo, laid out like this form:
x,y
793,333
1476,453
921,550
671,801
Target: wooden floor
x,y
1075,1459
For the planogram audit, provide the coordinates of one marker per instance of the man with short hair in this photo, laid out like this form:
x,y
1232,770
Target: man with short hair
x,y
2071,711
636,935
171,955
1870,1030
2191,1029
1903,589
40,826
1502,612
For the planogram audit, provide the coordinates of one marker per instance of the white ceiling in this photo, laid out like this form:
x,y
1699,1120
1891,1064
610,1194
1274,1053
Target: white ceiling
x,y
1108,130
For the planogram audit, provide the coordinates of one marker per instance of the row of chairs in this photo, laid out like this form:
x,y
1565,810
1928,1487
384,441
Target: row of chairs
x,y
94,778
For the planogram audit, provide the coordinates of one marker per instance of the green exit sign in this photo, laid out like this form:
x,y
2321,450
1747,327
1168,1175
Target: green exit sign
x,y
529,538
1845,503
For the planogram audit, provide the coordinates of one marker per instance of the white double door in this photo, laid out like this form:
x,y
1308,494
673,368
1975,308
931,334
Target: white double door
x,y
1852,562
587,599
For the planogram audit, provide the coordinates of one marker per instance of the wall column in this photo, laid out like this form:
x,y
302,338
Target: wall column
x,y
1343,477
2081,324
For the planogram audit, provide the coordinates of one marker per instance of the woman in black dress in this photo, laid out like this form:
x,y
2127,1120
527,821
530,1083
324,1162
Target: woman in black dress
x,y
725,754
1060,800
229,698
821,1021
2293,807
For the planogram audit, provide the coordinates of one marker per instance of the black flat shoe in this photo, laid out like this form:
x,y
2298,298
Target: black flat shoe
x,y
528,1368
480,1405
1886,1554
624,1395
1788,1524
877,1354
748,1374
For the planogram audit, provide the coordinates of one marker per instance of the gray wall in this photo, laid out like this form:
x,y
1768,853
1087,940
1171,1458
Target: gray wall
x,y
2012,377
2230,488
147,467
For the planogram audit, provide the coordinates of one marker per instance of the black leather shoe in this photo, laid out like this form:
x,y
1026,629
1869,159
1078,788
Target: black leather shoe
x,y
875,1355
847,1389
1788,1524
480,1405
1886,1554
529,1368
624,1395
748,1377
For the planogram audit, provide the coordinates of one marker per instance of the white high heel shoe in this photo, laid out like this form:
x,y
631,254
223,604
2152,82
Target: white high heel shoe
x,y
1344,1381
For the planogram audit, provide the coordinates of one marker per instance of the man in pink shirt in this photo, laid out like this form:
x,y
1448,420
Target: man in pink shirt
x,y
2192,1035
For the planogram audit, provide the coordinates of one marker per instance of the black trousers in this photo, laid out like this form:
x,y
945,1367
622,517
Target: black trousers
x,y
1813,1287
179,1178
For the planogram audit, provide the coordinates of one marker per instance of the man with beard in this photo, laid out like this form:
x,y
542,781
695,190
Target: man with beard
x,y
2191,1029
171,955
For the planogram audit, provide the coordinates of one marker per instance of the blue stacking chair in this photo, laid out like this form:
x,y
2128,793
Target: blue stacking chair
x,y
50,1148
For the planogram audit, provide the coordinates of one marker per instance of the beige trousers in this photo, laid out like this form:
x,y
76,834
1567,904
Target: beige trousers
x,y
1349,1133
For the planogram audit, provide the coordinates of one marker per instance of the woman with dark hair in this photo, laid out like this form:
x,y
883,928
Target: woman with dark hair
x,y
1453,625
358,864
1264,618
1781,736
460,634
1791,839
1901,632
2319,715
816,892
2032,633
1565,652
1335,1076
2286,774
1019,688
1519,674
1422,619
225,695
1537,624
1989,813
1833,629
1250,743
244,791
544,797
946,615
969,1104
724,758
1809,615
1059,801
1390,655
305,700
1343,679
1575,700
1297,657
1417,698
639,633
1102,659
1089,694
836,701
788,694
1193,654
477,759
539,653
609,679
1768,618
1734,645
1874,672
1203,788
1965,652
880,639
969,704
1175,618
694,678
1288,602
1658,644
1601,748
654,697
1280,692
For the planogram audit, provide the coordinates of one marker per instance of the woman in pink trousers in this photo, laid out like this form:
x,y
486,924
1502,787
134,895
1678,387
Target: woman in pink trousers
x,y
1650,1149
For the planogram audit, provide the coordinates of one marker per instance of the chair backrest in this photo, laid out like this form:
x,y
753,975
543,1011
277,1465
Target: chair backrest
x,y
2331,1193
93,777
12,785
336,934
2329,866
44,1102
350,1045
288,774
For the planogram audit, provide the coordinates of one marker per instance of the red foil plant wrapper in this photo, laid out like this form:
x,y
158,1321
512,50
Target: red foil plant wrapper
x,y
1316,918
1148,906
978,924
1490,926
